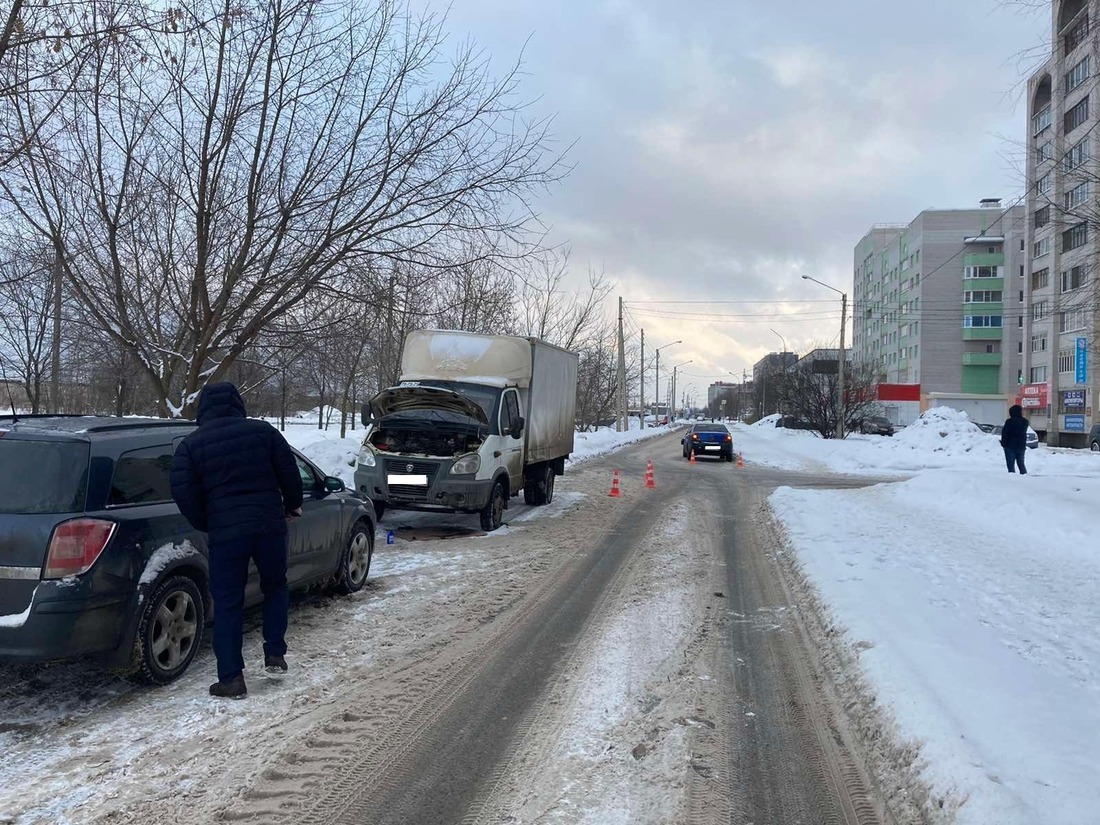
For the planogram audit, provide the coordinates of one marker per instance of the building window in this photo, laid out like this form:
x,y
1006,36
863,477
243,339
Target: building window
x,y
1077,75
1077,115
1040,248
1037,375
1019,347
983,296
1072,319
980,321
1041,122
1040,279
1066,360
1038,343
1042,216
1042,186
1077,196
1073,278
1077,35
1075,237
1077,155
1039,310
983,272
1044,152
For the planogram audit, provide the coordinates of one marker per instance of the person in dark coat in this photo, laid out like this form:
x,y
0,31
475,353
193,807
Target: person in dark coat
x,y
1014,439
236,479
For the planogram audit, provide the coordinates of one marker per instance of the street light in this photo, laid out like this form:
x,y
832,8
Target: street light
x,y
657,378
672,395
840,368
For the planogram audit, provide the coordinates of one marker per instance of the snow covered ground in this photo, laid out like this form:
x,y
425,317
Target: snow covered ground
x,y
972,598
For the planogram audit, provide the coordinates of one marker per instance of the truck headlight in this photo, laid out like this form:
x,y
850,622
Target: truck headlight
x,y
466,465
366,457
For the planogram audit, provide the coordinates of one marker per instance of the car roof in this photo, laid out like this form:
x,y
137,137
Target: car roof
x,y
80,426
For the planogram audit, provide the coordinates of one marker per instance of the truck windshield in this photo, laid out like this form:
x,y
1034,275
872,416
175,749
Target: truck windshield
x,y
42,476
485,397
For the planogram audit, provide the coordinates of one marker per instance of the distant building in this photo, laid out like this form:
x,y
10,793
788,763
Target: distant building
x,y
765,388
939,301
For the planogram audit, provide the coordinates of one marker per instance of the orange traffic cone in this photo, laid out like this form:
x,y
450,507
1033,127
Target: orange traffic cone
x,y
650,481
615,492
691,460
740,460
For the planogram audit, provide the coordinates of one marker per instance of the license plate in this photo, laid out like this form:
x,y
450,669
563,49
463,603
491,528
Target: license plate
x,y
712,447
421,481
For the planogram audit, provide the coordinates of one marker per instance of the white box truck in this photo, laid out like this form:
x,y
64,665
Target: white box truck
x,y
473,420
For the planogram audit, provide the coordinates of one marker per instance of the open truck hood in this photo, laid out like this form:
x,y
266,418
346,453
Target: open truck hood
x,y
398,400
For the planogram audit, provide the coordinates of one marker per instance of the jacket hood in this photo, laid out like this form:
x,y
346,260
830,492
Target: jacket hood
x,y
221,400
1015,411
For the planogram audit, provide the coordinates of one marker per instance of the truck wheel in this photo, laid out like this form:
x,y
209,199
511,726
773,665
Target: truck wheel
x,y
493,513
546,488
169,631
530,490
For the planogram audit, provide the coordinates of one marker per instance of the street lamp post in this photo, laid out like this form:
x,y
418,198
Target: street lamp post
x,y
840,368
783,363
657,380
672,395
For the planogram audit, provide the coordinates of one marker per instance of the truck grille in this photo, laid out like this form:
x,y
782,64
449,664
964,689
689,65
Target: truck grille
x,y
410,492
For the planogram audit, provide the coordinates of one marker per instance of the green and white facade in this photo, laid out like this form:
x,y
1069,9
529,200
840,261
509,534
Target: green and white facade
x,y
938,301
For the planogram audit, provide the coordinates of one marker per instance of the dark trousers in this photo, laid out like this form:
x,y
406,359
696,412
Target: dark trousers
x,y
228,577
1015,456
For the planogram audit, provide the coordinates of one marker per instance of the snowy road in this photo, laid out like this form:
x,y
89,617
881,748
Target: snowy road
x,y
638,660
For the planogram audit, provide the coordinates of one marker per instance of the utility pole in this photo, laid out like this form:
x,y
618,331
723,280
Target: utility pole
x,y
641,386
622,417
841,407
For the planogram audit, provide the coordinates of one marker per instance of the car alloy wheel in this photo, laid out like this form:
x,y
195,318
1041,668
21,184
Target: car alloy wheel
x,y
169,631
356,560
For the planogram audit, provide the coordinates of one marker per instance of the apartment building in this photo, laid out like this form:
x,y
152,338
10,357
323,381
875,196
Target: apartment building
x,y
939,301
1061,322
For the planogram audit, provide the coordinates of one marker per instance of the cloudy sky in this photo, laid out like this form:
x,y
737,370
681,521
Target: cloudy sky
x,y
726,148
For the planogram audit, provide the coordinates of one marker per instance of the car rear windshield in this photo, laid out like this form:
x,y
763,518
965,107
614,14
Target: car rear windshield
x,y
42,476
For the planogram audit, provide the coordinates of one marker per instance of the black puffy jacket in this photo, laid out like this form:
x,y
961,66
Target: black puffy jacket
x,y
1014,433
234,476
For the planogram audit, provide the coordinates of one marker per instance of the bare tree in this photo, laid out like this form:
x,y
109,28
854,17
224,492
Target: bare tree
x,y
210,183
810,397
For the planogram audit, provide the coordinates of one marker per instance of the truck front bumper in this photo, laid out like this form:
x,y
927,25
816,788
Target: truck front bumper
x,y
443,492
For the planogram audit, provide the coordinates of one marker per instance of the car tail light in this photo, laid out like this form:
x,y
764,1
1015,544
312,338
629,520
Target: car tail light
x,y
75,546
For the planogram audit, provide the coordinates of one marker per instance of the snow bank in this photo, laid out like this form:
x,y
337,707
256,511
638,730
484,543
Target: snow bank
x,y
768,421
587,446
977,628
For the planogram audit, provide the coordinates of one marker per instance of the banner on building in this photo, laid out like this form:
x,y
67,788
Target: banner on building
x,y
1034,396
1074,423
1082,360
1073,399
899,392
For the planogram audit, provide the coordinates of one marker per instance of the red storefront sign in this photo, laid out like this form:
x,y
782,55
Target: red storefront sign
x,y
899,392
1034,396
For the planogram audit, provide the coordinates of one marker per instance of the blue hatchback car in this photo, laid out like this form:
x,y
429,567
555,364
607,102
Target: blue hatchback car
x,y
96,560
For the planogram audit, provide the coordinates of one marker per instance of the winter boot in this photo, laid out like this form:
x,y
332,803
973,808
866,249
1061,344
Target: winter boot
x,y
230,688
275,665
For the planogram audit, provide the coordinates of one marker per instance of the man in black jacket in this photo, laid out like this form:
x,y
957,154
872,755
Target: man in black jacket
x,y
236,479
1014,439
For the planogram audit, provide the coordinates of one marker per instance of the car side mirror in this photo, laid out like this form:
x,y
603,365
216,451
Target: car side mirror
x,y
334,485
517,428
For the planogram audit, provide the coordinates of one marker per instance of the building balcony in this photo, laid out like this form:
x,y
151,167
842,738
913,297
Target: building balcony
x,y
983,334
984,308
981,359
984,259
970,284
